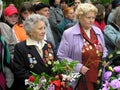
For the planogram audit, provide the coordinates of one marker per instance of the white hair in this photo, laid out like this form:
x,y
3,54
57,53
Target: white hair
x,y
31,21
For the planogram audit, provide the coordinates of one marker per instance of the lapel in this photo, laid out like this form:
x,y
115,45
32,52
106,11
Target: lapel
x,y
33,51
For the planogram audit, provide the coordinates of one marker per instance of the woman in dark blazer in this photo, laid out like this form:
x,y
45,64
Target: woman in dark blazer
x,y
34,54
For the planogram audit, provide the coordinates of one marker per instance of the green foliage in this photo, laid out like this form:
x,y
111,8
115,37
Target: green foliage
x,y
45,1
64,66
63,71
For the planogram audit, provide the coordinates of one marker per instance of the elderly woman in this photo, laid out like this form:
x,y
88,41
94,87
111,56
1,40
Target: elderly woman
x,y
84,43
112,31
33,54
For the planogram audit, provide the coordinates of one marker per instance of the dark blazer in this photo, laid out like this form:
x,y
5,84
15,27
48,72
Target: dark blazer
x,y
22,63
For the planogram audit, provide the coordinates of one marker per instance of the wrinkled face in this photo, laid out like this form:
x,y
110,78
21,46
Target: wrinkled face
x,y
25,14
12,19
70,14
38,31
87,20
44,11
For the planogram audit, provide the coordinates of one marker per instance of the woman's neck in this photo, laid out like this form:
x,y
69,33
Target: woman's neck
x,y
87,31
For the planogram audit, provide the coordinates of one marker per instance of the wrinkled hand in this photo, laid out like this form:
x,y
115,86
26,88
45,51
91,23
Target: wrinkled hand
x,y
84,69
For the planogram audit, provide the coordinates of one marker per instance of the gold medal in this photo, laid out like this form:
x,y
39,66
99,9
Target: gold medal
x,y
35,61
83,50
90,47
87,48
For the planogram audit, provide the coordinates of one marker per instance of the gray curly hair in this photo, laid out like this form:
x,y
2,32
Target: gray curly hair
x,y
31,21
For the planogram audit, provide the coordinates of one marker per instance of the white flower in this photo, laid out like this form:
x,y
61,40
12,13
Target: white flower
x,y
26,82
36,88
43,81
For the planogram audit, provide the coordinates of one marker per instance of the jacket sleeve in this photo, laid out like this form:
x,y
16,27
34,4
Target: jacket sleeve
x,y
64,51
19,63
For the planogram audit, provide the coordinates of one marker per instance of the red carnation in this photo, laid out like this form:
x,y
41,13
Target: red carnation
x,y
31,78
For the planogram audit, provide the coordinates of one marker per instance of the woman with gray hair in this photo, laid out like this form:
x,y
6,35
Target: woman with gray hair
x,y
112,31
34,54
84,43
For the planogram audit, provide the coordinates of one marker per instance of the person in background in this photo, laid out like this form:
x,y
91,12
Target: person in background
x,y
31,54
11,15
34,2
67,22
76,2
115,3
108,9
43,9
56,16
7,32
84,42
112,31
26,9
4,61
63,4
6,75
99,20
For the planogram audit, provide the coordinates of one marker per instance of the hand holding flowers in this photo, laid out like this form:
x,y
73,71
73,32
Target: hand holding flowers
x,y
60,79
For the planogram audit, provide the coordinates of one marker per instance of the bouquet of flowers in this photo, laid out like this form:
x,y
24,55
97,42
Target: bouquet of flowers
x,y
60,79
109,72
111,78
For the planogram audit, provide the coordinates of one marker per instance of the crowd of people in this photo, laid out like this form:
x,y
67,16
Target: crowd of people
x,y
37,32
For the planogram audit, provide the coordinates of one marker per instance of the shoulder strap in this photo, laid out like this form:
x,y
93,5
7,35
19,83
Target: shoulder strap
x,y
113,25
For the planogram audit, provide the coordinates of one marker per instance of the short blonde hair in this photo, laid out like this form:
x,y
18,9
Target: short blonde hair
x,y
84,8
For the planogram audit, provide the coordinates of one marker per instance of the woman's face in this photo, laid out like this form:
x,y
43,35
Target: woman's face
x,y
63,5
38,31
12,19
70,15
76,2
87,20
25,14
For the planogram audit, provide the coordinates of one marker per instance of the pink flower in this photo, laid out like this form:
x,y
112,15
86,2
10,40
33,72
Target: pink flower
x,y
106,86
117,69
115,84
107,75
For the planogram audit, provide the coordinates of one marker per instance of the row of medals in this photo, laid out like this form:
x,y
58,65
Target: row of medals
x,y
89,47
32,60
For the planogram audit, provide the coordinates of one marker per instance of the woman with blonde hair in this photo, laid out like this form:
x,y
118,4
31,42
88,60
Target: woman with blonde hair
x,y
84,42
